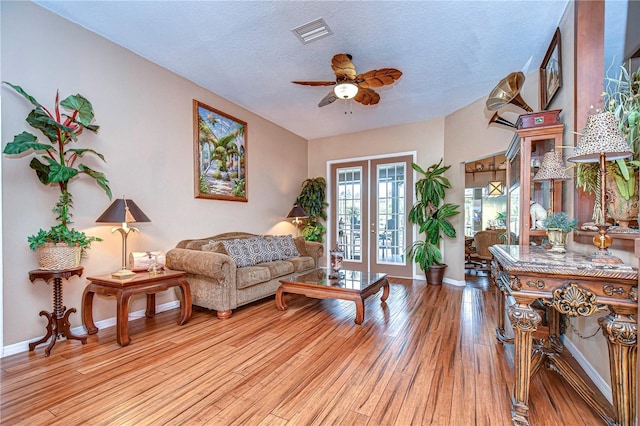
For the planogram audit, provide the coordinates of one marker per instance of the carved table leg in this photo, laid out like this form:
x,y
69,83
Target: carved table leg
x,y
151,305
280,303
186,307
122,318
385,291
50,324
87,310
359,310
621,332
525,321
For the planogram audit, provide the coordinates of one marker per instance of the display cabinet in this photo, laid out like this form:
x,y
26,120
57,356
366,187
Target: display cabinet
x,y
524,157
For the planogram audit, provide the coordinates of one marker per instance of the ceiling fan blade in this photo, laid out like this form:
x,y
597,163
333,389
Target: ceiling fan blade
x,y
315,83
367,96
378,78
330,98
343,67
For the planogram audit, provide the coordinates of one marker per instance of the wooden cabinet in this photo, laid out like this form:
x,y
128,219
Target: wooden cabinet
x,y
524,156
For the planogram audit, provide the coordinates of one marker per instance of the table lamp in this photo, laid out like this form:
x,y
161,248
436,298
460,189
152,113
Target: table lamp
x,y
123,211
297,213
551,170
601,142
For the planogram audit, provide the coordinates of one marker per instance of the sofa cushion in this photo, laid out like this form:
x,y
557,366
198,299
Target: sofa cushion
x,y
252,275
279,268
301,245
247,251
196,244
281,247
302,263
215,246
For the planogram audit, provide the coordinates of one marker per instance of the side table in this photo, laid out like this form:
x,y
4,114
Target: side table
x,y
58,319
142,282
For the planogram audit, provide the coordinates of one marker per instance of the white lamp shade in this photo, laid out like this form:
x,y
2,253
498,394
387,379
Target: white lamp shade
x,y
345,90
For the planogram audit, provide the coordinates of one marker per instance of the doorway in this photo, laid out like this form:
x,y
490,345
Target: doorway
x,y
369,202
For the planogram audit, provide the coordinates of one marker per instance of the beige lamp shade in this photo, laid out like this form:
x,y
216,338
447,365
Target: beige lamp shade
x,y
495,187
601,136
552,168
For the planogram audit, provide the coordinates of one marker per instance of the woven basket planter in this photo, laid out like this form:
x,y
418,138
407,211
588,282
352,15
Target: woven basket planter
x,y
58,256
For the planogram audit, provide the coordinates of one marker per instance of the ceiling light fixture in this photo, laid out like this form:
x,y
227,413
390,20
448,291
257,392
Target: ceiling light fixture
x,y
312,31
345,90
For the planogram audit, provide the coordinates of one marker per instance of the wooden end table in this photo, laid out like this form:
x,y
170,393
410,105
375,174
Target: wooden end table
x,y
142,282
58,319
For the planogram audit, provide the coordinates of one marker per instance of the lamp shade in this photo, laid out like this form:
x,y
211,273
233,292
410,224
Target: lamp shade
x,y
345,90
552,168
123,211
296,212
495,187
601,137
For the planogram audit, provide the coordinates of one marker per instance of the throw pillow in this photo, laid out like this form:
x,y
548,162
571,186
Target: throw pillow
x,y
215,246
271,248
301,245
286,248
246,251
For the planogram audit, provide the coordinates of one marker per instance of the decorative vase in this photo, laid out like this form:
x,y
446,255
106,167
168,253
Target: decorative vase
x,y
557,239
337,257
58,256
621,210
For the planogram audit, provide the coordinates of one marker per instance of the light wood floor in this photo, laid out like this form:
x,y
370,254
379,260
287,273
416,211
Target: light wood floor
x,y
428,357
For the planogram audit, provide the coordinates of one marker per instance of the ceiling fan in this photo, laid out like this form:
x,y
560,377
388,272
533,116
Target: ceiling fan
x,y
349,85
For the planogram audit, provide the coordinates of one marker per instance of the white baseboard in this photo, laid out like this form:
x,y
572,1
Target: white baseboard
x,y
109,322
600,383
457,283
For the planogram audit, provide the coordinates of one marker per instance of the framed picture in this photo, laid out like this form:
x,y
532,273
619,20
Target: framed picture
x,y
220,153
551,72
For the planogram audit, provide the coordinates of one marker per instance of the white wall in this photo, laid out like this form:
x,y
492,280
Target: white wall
x,y
146,136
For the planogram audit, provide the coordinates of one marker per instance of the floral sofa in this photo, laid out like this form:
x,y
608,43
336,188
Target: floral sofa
x,y
232,269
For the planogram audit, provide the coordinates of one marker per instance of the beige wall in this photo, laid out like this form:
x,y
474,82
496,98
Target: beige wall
x,y
145,114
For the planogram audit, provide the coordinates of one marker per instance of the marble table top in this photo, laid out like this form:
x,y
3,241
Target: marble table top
x,y
515,258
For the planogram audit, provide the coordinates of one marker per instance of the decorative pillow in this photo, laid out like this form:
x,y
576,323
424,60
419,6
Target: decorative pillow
x,y
285,247
246,251
301,245
214,246
271,248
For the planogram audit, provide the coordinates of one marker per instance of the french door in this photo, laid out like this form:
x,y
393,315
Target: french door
x,y
369,203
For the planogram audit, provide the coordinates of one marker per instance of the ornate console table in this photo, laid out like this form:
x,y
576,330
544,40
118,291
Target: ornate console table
x,y
568,284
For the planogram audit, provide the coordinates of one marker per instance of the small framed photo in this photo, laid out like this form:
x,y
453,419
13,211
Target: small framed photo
x,y
551,71
220,154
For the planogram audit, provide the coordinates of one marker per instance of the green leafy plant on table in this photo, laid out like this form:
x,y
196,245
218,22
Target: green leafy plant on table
x,y
431,214
55,163
560,221
312,199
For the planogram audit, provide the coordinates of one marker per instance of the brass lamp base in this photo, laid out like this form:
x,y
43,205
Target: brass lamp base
x,y
123,274
603,241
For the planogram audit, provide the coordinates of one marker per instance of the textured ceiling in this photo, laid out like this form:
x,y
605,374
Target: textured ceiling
x,y
451,53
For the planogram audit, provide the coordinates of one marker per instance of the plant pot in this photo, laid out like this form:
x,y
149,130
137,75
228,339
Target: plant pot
x,y
58,256
621,210
435,274
557,239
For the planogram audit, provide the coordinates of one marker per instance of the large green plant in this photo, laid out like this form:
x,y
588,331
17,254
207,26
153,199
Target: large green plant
x,y
622,98
55,163
431,214
312,199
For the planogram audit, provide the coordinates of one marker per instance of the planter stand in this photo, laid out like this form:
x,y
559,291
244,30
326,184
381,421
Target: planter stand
x,y
58,319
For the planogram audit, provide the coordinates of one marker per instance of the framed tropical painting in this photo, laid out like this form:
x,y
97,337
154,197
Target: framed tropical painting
x,y
220,153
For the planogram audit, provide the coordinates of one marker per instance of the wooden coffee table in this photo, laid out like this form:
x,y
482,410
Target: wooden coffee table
x,y
142,282
352,285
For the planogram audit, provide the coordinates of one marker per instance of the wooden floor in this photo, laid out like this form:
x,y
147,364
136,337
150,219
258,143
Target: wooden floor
x,y
428,357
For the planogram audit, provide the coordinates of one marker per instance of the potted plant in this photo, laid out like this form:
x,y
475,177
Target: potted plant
x,y
432,215
558,227
312,200
622,98
60,247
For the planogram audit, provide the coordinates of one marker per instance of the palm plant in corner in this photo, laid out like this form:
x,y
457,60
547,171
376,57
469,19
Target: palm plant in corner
x,y
432,215
59,247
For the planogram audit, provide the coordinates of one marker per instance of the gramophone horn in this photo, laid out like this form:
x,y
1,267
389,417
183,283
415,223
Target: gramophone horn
x,y
499,120
508,92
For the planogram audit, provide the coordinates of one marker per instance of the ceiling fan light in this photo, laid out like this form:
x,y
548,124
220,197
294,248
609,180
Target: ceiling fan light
x,y
345,90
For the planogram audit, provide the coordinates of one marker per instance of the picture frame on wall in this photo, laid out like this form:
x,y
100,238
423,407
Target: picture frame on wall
x,y
551,71
220,154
